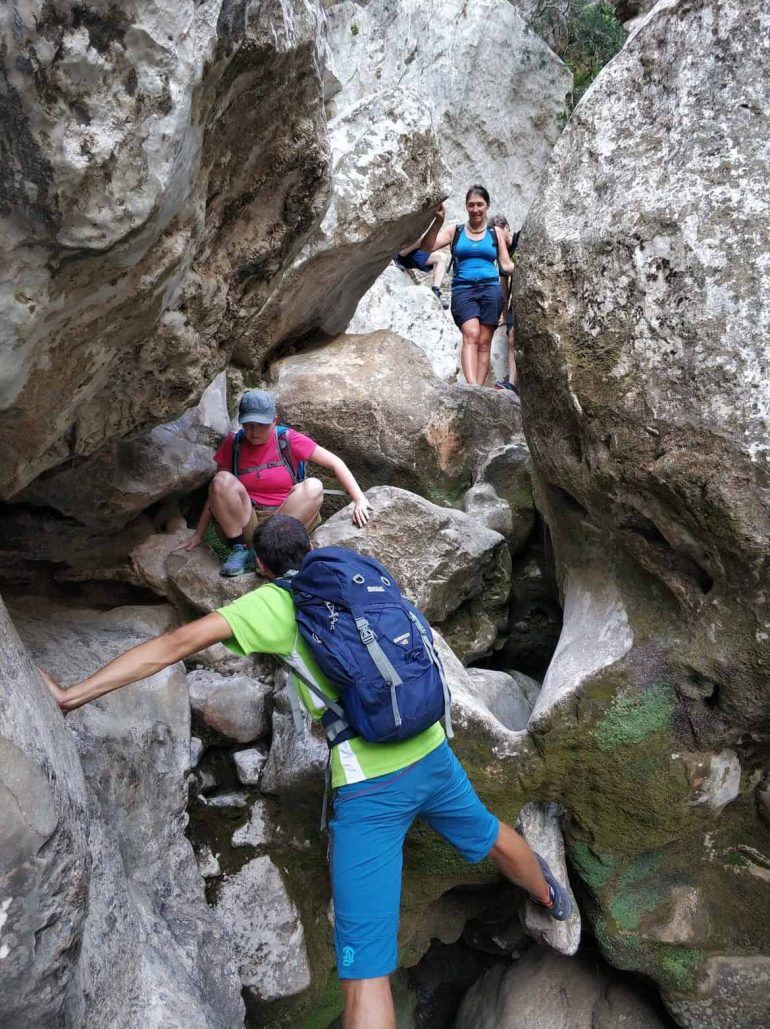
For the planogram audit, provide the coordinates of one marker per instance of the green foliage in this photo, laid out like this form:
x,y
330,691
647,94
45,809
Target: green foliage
x,y
212,539
585,34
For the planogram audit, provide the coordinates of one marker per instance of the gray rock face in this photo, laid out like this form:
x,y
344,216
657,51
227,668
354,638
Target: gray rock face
x,y
441,559
297,761
678,395
388,177
44,863
645,395
150,945
264,923
509,697
234,706
142,226
544,990
397,303
482,504
494,88
733,993
108,489
375,401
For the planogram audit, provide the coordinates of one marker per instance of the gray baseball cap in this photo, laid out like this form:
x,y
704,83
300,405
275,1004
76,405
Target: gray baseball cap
x,y
256,406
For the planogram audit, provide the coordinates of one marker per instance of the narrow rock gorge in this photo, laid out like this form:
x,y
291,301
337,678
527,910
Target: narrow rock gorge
x,y
201,198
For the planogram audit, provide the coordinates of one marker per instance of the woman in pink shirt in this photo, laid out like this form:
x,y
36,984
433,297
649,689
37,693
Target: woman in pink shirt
x,y
266,481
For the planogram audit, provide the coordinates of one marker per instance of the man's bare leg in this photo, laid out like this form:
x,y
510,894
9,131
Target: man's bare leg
x,y
230,504
368,1004
515,859
439,262
304,502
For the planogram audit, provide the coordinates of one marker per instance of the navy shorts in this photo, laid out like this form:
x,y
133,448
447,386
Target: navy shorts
x,y
370,822
416,259
482,300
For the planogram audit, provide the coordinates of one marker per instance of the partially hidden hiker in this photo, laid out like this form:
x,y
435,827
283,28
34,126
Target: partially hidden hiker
x,y
477,299
437,262
511,381
261,473
380,788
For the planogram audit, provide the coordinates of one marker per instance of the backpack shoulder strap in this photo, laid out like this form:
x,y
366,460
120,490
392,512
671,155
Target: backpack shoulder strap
x,y
458,229
495,240
236,453
284,449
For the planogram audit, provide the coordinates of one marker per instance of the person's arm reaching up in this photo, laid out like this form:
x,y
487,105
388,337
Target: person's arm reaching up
x,y
142,661
438,235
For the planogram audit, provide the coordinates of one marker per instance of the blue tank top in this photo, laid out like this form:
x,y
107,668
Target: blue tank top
x,y
475,260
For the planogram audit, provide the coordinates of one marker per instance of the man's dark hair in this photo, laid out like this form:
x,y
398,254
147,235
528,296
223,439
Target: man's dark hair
x,y
281,542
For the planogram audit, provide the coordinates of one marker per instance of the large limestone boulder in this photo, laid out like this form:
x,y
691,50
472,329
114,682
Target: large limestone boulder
x,y
108,489
164,165
408,308
645,391
495,90
376,401
454,569
150,944
265,925
44,863
388,177
544,989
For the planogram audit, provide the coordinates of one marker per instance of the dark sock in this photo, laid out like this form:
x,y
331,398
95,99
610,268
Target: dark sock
x,y
235,540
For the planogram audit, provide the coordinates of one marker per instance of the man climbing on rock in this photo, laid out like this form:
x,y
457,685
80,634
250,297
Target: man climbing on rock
x,y
423,261
261,473
380,788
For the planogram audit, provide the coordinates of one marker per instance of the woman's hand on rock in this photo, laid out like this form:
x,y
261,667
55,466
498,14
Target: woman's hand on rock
x,y
189,544
362,512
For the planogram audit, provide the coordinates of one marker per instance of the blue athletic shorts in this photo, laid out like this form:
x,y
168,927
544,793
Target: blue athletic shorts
x,y
416,259
370,822
482,300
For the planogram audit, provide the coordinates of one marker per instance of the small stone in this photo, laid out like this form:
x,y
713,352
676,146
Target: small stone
x,y
715,778
235,706
249,764
234,798
256,832
196,750
207,862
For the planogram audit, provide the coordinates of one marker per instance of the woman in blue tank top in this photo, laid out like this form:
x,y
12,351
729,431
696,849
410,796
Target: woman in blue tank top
x,y
480,255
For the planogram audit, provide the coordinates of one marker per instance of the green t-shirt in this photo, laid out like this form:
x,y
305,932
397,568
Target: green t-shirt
x,y
263,622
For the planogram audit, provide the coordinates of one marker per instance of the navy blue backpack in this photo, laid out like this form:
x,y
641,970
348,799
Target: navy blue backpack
x,y
374,645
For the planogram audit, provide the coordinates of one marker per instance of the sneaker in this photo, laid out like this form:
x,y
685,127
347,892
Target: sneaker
x,y
240,560
561,902
437,294
507,384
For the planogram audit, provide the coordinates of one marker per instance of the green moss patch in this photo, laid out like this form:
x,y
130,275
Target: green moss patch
x,y
634,718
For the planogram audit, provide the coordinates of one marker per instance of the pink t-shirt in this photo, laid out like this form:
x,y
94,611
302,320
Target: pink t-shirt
x,y
270,487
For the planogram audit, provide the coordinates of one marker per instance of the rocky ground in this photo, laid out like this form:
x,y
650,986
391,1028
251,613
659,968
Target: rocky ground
x,y
209,197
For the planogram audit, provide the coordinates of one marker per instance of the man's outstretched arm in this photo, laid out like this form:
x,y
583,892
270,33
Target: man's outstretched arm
x,y
142,661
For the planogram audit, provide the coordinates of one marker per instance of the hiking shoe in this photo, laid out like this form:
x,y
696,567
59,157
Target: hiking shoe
x,y
240,560
561,902
507,384
437,294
